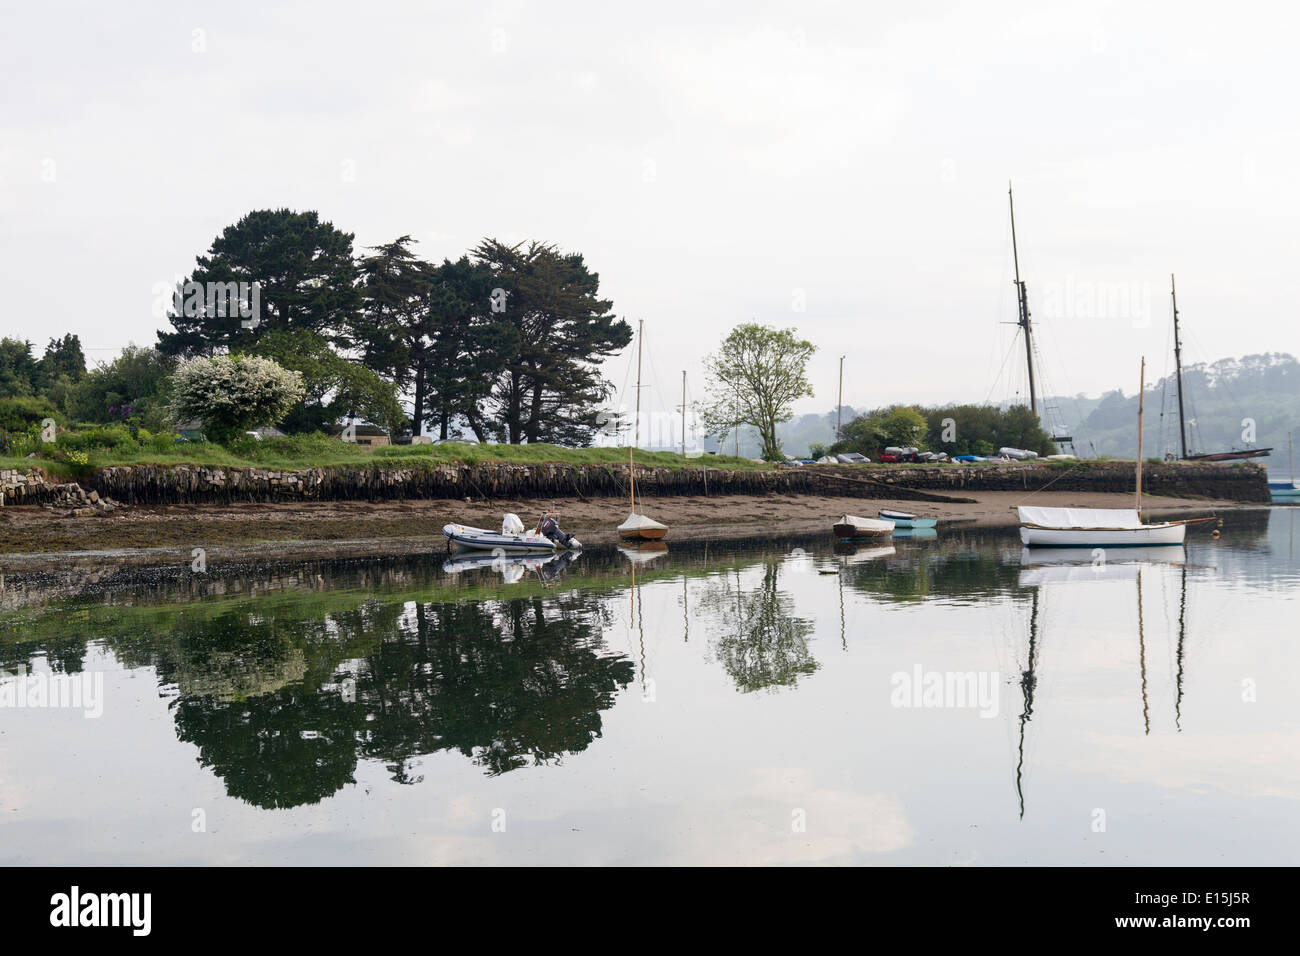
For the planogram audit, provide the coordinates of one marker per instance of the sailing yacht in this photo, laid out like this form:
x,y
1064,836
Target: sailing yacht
x,y
1102,527
638,527
1182,420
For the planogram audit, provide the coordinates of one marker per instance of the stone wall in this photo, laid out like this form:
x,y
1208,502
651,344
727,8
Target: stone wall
x,y
184,484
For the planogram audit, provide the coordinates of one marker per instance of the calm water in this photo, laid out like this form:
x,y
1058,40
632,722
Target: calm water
x,y
940,701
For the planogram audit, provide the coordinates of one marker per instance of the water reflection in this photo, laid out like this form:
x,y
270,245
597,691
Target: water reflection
x,y
1070,569
284,678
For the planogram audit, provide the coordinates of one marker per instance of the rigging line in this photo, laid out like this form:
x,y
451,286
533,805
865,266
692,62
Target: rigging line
x,y
1014,340
1039,491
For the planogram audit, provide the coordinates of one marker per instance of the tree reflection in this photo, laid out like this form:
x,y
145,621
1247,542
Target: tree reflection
x,y
756,638
282,700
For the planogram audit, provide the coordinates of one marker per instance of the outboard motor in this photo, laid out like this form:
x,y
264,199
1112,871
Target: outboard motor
x,y
552,530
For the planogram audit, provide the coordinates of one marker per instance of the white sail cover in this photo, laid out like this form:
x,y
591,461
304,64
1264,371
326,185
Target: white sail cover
x,y
636,522
1087,518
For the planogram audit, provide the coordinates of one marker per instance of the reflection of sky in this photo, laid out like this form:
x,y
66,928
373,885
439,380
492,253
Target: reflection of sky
x,y
690,769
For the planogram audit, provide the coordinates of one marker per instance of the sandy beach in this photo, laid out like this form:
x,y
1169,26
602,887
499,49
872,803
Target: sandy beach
x,y
34,538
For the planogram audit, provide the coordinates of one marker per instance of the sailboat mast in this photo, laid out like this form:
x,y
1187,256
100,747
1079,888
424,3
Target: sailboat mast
x,y
1142,386
1024,307
683,413
640,334
1178,367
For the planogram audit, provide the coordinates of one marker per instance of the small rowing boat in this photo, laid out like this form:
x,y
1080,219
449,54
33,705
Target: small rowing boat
x,y
853,528
902,519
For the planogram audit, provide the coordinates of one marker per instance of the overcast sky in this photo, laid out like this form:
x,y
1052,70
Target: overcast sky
x,y
841,168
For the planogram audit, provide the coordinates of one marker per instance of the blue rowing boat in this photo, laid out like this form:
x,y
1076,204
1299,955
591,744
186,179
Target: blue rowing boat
x,y
902,519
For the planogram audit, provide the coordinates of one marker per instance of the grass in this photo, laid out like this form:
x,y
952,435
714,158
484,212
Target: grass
x,y
318,451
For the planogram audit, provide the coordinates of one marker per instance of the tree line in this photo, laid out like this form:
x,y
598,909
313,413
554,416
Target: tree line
x,y
504,341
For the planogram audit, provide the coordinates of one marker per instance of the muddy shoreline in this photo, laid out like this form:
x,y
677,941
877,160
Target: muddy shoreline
x,y
36,539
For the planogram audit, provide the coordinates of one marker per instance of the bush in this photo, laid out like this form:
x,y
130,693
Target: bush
x,y
109,436
19,413
233,393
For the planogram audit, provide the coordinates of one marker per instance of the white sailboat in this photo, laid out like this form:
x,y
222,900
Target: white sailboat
x,y
1102,527
638,527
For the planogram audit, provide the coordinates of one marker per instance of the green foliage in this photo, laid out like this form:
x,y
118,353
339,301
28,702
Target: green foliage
x,y
132,387
111,436
956,429
18,413
755,378
18,369
333,386
983,429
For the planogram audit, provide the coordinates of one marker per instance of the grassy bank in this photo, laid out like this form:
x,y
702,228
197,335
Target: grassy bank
x,y
318,451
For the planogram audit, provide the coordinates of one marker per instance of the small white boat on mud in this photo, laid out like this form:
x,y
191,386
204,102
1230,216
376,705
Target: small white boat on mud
x,y
853,528
546,537
640,528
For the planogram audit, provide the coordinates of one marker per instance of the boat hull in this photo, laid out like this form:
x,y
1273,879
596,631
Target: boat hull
x,y
1231,455
481,539
643,534
853,528
1155,534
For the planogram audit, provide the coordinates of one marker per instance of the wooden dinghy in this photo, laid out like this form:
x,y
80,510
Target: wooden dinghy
x,y
1097,528
903,519
853,528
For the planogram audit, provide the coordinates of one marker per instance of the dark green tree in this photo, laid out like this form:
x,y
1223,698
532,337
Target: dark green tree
x,y
19,373
304,271
550,388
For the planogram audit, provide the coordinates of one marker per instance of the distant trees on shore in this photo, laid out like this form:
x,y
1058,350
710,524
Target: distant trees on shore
x,y
955,429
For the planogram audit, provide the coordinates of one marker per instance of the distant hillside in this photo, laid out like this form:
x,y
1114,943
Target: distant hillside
x,y
1219,395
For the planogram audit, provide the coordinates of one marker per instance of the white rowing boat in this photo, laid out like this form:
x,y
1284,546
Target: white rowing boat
x,y
852,527
1095,528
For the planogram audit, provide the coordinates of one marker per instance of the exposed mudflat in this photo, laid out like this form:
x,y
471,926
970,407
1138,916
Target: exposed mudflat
x,y
34,538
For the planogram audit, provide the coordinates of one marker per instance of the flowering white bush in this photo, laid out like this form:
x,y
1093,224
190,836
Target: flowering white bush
x,y
233,393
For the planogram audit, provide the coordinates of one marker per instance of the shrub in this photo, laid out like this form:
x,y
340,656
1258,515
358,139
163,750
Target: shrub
x,y
20,412
232,394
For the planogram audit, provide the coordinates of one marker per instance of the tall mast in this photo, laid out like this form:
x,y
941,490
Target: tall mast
x,y
1142,386
640,334
1178,365
1024,308
839,402
683,413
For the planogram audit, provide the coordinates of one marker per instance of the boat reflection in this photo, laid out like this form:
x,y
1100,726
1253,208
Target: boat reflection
x,y
643,552
1066,567
513,567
